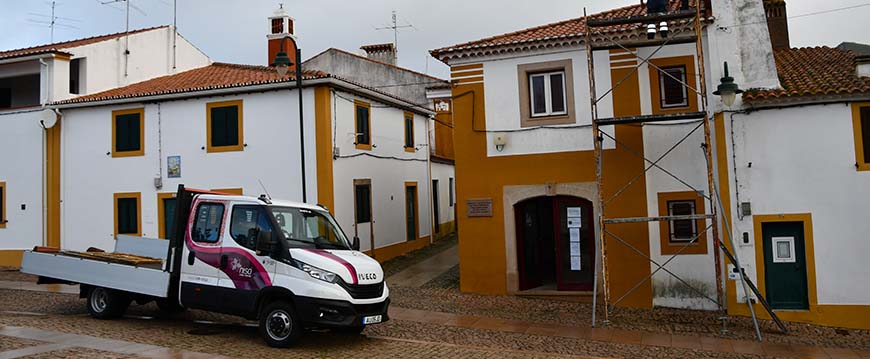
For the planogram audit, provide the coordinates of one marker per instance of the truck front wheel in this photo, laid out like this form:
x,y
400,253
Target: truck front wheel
x,y
104,303
279,325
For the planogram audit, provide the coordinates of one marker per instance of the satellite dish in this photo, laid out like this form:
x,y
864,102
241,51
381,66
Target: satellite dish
x,y
48,118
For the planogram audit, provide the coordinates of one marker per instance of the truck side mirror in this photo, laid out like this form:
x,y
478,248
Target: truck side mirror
x,y
355,245
264,242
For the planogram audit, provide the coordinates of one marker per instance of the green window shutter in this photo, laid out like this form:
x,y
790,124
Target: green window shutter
x,y
363,136
865,132
2,210
169,216
363,203
225,126
409,132
128,216
127,133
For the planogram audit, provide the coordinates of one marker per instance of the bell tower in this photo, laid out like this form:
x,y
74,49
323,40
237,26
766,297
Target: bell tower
x,y
281,36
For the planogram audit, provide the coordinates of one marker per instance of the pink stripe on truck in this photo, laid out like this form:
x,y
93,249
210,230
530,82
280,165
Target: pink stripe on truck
x,y
338,259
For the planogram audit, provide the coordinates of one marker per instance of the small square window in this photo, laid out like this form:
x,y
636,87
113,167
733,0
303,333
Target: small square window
x,y
683,230
225,129
128,133
783,250
547,94
128,214
673,91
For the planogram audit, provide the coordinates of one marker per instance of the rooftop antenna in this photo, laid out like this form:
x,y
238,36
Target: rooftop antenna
x,y
268,196
127,28
53,20
395,27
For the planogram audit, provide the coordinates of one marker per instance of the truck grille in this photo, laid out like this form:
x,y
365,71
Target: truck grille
x,y
363,291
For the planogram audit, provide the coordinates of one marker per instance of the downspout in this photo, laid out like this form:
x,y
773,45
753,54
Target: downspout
x,y
431,190
301,122
43,197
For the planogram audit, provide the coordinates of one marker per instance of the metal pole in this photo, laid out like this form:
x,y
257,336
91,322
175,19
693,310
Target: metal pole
x,y
301,121
431,190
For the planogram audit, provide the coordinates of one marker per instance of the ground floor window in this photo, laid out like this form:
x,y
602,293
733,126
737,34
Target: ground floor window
x,y
128,214
675,234
2,204
362,194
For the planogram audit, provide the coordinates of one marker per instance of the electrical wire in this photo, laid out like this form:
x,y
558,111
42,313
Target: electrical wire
x,y
366,154
822,12
450,125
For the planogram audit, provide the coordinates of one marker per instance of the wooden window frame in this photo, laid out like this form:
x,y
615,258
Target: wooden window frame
x,y
416,209
138,197
524,73
161,212
362,182
237,191
548,94
240,146
408,136
668,247
137,153
861,163
362,146
655,84
3,214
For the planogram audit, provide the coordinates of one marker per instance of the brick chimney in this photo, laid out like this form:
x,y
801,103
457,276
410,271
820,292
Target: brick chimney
x,y
280,33
777,23
381,52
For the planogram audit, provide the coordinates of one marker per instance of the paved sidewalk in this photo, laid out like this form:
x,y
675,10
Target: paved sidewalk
x,y
427,270
33,287
624,336
56,341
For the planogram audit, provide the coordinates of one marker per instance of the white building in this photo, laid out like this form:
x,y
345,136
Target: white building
x,y
32,77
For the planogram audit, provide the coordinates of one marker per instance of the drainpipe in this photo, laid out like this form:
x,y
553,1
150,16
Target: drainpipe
x,y
431,190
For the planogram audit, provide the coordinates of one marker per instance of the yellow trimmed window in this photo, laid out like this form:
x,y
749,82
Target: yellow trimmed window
x,y
677,234
861,125
668,89
363,120
2,204
128,214
128,133
409,132
225,126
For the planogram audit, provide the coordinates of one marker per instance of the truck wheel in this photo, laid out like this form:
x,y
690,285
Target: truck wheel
x,y
279,325
169,306
104,303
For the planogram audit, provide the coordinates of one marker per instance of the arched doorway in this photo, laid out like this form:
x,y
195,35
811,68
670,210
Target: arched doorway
x,y
555,243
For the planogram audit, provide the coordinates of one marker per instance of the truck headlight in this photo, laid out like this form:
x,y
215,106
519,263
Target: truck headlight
x,y
320,274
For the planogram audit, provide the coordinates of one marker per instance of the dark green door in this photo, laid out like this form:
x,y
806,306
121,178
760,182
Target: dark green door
x,y
168,216
411,212
785,265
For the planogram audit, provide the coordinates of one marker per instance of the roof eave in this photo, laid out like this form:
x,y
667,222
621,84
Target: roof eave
x,y
790,101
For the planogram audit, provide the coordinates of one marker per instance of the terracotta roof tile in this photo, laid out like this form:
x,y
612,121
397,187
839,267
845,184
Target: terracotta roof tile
x,y
214,76
573,28
813,71
56,47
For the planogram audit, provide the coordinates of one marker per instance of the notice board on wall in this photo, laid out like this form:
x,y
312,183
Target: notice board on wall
x,y
479,207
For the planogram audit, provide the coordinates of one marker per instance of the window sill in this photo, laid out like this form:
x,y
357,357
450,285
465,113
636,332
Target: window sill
x,y
364,147
219,149
411,149
863,167
552,120
123,154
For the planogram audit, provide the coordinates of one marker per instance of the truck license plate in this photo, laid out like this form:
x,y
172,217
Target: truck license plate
x,y
375,319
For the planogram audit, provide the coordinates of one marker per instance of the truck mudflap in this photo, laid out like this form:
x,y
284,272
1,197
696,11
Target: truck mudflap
x,y
317,312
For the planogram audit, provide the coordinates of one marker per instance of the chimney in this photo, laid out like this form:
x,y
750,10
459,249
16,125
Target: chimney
x,y
777,23
863,65
381,52
281,36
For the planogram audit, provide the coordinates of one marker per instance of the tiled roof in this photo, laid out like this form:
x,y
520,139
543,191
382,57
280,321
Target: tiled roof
x,y
573,28
214,76
813,72
58,46
374,61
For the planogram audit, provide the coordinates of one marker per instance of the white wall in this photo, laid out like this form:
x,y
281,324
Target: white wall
x,y
22,147
803,161
443,173
90,177
388,176
501,91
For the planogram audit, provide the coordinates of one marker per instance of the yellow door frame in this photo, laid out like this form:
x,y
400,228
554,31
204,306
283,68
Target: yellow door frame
x,y
416,209
161,212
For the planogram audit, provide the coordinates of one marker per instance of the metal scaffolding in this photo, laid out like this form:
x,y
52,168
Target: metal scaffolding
x,y
704,121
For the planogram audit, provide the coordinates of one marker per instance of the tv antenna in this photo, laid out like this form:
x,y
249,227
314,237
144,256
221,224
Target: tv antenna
x,y
395,27
126,28
53,21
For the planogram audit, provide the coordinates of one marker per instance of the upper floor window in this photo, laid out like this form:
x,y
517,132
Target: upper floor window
x,y
128,214
207,224
76,76
409,132
225,130
363,119
5,97
861,127
128,133
548,94
671,89
683,236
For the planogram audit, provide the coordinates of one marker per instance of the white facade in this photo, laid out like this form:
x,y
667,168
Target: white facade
x,y
445,174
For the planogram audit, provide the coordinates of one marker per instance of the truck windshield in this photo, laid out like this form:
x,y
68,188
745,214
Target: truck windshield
x,y
309,228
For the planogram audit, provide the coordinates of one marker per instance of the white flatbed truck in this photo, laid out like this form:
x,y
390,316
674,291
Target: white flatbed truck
x,y
287,265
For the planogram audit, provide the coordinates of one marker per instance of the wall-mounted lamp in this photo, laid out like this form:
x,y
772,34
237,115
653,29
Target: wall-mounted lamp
x,y
728,90
499,140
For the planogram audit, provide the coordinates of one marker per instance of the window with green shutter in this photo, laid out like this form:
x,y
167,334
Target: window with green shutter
x,y
409,132
363,125
225,126
128,127
865,133
2,204
128,214
363,200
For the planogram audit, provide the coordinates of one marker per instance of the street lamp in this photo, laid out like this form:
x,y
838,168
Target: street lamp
x,y
727,89
282,63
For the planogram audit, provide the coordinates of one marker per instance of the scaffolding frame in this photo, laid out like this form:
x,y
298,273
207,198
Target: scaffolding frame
x,y
702,116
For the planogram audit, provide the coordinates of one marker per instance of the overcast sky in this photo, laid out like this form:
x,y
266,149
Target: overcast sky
x,y
235,30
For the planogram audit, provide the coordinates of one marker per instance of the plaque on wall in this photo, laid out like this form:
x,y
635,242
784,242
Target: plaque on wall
x,y
479,207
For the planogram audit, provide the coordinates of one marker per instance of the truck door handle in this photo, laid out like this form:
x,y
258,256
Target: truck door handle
x,y
190,258
223,262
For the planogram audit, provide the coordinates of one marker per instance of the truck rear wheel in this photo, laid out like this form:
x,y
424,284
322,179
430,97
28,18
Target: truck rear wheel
x,y
104,303
279,325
